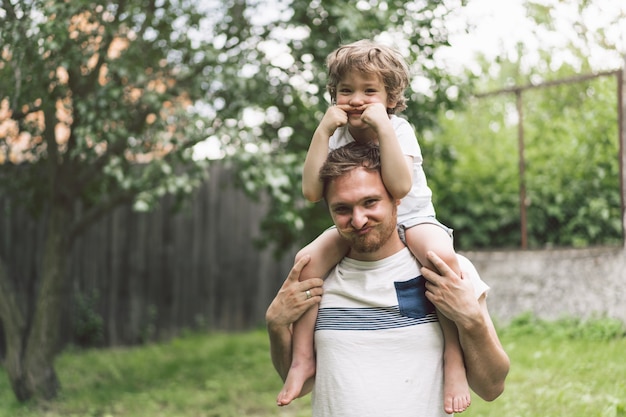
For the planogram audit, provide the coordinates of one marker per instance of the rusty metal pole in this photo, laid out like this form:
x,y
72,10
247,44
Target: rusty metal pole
x,y
621,115
621,81
522,170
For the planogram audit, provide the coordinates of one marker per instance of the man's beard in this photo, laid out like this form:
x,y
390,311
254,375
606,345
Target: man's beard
x,y
375,238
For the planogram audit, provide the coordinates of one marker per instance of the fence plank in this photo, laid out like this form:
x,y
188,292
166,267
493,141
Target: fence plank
x,y
149,275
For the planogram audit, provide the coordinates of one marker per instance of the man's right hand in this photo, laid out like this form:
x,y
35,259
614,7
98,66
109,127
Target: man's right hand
x,y
292,300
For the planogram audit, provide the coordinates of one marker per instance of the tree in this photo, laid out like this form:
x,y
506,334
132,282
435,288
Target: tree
x,y
96,110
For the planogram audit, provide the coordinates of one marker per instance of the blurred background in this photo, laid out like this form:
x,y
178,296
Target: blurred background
x,y
151,154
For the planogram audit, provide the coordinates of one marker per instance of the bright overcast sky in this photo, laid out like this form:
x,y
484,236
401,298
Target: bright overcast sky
x,y
498,25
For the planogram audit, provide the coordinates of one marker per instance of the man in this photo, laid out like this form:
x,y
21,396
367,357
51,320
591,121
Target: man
x,y
378,342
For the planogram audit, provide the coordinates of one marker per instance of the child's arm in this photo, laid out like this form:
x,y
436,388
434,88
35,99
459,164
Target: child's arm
x,y
395,166
335,117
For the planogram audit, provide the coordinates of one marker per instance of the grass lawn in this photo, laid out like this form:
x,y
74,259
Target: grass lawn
x,y
558,369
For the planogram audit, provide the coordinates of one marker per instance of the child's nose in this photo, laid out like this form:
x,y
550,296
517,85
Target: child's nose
x,y
357,100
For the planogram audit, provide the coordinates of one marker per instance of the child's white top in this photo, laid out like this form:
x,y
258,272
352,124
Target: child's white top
x,y
418,202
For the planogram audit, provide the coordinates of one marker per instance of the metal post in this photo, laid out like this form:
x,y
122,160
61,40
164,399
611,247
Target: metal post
x,y
621,115
522,170
621,94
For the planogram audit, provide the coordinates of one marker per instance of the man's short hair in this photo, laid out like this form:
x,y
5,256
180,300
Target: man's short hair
x,y
342,160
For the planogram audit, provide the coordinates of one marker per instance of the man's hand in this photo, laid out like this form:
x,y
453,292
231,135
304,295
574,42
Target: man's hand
x,y
486,362
452,295
292,300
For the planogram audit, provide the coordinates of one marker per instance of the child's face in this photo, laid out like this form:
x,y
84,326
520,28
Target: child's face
x,y
357,89
360,91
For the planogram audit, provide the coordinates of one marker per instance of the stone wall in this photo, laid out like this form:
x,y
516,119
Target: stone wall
x,y
554,283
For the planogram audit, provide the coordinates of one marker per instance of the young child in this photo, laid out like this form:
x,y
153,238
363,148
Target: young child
x,y
366,82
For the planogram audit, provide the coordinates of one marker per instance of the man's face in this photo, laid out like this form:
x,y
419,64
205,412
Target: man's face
x,y
363,211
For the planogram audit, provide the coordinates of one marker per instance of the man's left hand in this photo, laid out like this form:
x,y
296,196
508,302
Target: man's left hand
x,y
452,295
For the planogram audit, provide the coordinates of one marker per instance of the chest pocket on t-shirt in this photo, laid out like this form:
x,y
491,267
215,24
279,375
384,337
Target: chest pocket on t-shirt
x,y
412,298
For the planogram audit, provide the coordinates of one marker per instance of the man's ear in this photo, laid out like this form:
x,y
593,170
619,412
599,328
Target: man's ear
x,y
397,202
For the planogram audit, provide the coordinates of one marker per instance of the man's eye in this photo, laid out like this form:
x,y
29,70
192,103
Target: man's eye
x,y
341,210
369,203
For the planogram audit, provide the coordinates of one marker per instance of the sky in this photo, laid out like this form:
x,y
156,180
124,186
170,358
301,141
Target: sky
x,y
495,25
498,25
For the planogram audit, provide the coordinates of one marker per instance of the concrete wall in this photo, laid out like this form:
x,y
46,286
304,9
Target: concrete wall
x,y
554,283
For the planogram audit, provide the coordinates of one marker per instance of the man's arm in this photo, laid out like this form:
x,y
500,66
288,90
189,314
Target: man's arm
x,y
486,362
286,308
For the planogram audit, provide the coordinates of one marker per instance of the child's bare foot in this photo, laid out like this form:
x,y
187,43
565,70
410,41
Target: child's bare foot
x,y
454,404
457,397
298,374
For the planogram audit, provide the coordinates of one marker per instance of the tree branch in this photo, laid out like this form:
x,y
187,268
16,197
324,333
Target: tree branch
x,y
97,211
6,4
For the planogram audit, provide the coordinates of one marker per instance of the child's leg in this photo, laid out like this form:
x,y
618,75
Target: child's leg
x,y
326,251
455,387
430,237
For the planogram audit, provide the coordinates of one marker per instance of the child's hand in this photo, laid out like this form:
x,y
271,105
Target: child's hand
x,y
335,117
376,116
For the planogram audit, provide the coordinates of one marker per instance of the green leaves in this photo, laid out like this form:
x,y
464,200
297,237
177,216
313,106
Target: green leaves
x,y
571,163
118,80
287,85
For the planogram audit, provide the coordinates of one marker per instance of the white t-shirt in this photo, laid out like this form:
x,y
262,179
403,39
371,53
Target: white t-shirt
x,y
372,359
418,202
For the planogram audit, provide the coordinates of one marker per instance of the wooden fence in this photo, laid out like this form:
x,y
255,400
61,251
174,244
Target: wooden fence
x,y
143,276
146,276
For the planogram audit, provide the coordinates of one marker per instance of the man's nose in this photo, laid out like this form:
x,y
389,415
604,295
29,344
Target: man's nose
x,y
359,219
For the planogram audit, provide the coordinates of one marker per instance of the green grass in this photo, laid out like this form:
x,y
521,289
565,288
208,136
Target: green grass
x,y
565,368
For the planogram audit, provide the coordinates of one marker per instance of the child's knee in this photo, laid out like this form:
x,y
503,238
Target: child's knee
x,y
450,258
301,253
310,270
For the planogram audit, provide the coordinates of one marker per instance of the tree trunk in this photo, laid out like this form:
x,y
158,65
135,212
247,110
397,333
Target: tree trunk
x,y
31,347
14,328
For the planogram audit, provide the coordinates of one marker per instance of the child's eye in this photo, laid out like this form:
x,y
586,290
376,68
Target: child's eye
x,y
344,90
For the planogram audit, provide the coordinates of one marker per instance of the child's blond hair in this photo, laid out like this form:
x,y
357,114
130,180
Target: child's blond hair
x,y
370,57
